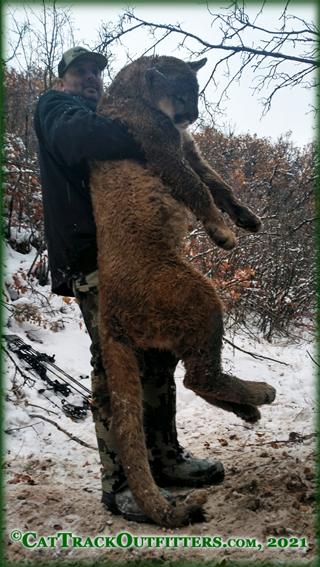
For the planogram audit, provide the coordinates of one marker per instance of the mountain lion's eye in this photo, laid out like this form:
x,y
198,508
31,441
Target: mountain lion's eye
x,y
179,99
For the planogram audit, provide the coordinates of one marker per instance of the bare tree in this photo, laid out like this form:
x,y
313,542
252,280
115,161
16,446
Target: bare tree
x,y
38,44
270,278
35,41
279,58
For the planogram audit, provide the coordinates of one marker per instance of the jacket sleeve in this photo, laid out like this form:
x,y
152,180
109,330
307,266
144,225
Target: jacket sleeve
x,y
72,132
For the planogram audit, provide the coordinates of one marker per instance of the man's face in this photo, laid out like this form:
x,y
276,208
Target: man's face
x,y
82,78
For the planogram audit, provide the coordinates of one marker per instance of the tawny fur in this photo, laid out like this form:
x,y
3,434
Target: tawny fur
x,y
149,296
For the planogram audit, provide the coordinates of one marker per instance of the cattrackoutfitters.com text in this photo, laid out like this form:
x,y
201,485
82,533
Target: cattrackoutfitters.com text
x,y
125,540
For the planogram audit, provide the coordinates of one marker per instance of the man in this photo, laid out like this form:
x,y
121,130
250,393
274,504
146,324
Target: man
x,y
70,134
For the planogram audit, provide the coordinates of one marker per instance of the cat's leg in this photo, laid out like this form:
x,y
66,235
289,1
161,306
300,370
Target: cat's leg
x,y
206,378
192,325
221,192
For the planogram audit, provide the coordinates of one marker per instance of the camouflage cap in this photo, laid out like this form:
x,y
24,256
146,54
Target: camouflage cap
x,y
80,52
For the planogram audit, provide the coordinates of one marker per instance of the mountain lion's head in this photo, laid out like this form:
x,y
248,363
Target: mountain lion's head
x,y
172,86
164,83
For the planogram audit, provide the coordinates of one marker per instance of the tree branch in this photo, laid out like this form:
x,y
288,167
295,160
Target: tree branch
x,y
70,435
233,48
254,355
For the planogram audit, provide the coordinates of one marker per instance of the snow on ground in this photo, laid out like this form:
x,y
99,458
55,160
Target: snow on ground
x,y
292,374
37,452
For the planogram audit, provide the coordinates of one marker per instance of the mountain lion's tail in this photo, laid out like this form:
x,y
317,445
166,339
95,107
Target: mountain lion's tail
x,y
126,403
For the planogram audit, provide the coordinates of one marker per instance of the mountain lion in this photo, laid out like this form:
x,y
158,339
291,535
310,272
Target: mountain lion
x,y
150,297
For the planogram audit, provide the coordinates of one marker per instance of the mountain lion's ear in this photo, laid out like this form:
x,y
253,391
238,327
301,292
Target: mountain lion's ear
x,y
196,65
155,78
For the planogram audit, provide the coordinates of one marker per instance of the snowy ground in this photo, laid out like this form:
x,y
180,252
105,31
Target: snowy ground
x,y
52,482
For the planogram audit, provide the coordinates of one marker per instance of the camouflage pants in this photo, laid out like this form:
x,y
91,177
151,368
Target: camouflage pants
x,y
158,391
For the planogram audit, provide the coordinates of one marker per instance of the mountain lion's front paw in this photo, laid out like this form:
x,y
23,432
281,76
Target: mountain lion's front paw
x,y
222,237
248,220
